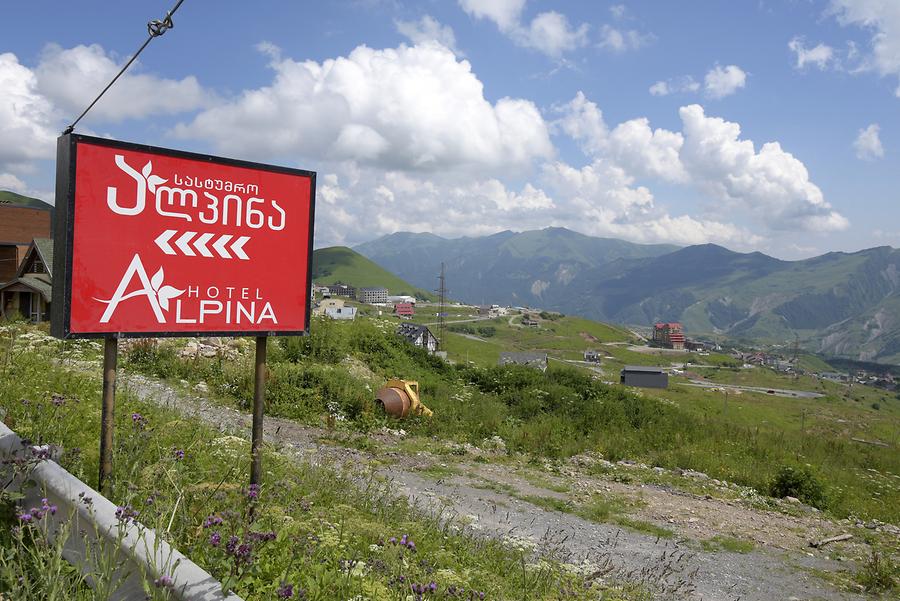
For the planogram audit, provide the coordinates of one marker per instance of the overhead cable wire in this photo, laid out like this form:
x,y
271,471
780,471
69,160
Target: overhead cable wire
x,y
155,29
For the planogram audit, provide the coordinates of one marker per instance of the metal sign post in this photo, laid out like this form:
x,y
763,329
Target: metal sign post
x,y
154,242
107,416
259,399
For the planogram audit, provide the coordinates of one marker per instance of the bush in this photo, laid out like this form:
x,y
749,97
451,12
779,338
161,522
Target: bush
x,y
798,482
878,573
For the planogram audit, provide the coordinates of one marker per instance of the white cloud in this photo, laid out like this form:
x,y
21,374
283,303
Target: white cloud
x,y
618,11
882,19
549,32
28,122
868,143
71,78
771,183
428,29
720,82
622,40
583,121
660,88
685,84
602,201
647,152
411,108
819,56
8,181
505,13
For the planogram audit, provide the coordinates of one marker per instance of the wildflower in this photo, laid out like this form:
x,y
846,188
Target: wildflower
x,y
125,514
214,539
211,521
253,492
47,507
285,591
164,582
88,501
138,421
58,400
231,545
41,452
25,517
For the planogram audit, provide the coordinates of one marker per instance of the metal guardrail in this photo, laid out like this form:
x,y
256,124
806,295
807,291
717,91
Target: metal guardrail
x,y
140,554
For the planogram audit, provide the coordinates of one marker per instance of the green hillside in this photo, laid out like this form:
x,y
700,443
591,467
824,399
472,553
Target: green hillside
x,y
11,198
837,305
339,264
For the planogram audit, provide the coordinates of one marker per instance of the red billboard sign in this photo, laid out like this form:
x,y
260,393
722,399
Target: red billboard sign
x,y
158,242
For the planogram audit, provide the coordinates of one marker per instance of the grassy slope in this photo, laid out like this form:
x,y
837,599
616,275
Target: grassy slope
x,y
321,517
341,264
7,197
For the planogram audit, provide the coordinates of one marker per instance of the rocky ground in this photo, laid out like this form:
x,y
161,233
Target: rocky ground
x,y
684,535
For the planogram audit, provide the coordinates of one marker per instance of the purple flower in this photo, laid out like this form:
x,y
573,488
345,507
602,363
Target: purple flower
x,y
178,454
231,545
253,492
138,421
125,514
214,539
211,521
59,400
393,540
285,591
164,582
25,517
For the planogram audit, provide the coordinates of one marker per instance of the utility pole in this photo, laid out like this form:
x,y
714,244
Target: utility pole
x,y
442,291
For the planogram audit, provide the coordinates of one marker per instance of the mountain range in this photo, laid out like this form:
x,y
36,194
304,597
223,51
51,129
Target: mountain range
x,y
837,304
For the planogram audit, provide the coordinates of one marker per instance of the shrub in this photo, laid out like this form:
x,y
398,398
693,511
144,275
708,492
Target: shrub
x,y
878,573
798,482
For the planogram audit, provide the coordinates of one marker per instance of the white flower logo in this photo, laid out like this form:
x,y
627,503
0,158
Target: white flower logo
x,y
164,293
152,180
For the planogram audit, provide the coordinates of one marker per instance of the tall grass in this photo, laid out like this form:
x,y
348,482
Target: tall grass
x,y
556,414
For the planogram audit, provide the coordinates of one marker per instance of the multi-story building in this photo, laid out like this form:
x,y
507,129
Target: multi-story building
x,y
342,290
668,335
18,227
372,296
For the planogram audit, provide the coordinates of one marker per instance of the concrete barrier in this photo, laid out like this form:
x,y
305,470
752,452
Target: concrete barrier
x,y
94,529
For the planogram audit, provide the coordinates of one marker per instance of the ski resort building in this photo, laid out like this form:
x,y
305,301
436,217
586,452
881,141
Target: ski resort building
x,y
668,335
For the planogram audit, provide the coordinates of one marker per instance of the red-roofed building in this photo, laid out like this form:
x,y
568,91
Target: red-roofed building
x,y
668,335
404,310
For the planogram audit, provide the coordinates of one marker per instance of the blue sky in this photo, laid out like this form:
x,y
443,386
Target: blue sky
x,y
760,124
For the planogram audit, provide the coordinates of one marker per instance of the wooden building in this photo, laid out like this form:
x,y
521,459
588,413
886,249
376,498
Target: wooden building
x,y
29,293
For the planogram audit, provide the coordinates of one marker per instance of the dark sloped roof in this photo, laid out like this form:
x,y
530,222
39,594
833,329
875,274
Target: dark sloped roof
x,y
40,282
45,248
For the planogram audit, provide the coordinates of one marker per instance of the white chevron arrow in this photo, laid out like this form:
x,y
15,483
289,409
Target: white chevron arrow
x,y
163,242
186,244
219,246
200,244
238,248
182,243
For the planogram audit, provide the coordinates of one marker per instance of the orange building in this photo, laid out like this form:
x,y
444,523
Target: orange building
x,y
668,335
18,227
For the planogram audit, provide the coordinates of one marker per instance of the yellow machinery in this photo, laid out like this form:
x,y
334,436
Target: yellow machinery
x,y
400,398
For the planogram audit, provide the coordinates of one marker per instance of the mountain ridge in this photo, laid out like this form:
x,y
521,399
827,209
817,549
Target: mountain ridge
x,y
837,303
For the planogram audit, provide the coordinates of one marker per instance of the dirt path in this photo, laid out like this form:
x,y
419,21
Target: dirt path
x,y
489,497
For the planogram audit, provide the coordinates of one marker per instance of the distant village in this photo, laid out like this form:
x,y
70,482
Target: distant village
x,y
26,271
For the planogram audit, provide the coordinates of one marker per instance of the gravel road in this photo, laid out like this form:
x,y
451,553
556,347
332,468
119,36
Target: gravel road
x,y
673,567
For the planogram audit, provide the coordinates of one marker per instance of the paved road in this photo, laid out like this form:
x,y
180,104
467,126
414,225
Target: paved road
x,y
795,394
673,568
